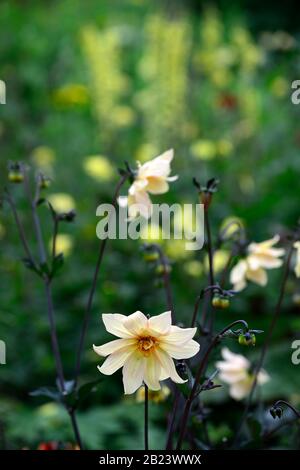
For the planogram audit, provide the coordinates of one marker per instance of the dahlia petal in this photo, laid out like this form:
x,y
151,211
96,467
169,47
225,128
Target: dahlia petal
x,y
133,372
185,351
161,323
136,323
113,346
168,366
115,361
114,324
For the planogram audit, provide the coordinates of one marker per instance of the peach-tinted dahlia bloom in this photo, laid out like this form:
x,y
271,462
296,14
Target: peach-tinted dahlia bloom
x,y
261,256
234,370
152,178
297,267
145,349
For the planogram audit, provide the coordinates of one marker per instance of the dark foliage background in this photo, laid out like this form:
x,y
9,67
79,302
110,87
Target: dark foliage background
x,y
125,80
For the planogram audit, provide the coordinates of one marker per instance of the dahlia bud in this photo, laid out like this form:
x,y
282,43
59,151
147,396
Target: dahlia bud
x,y
247,339
15,173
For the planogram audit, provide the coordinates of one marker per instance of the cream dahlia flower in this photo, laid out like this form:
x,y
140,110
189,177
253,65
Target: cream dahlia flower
x,y
234,370
297,267
145,349
261,256
152,178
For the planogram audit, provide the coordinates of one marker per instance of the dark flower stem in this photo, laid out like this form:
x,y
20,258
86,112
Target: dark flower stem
x,y
193,322
55,232
19,227
50,309
199,373
75,428
146,422
267,341
172,420
209,248
195,313
167,284
86,319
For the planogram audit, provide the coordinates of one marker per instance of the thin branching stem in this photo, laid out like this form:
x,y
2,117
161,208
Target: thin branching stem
x,y
87,315
50,309
167,283
199,373
267,341
20,227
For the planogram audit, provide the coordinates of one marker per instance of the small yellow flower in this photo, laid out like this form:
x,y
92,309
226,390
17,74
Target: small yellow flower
x,y
61,202
146,349
234,370
261,256
297,267
98,167
152,178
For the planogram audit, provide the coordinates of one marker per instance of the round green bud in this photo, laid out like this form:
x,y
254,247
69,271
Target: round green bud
x,y
15,176
150,257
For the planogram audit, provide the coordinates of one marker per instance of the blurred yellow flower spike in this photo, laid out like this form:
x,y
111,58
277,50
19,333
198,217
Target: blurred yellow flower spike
x,y
164,71
64,244
99,168
146,349
261,256
235,371
71,94
61,202
43,157
297,266
102,51
156,396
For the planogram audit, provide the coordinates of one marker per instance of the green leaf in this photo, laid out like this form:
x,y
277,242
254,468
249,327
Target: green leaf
x,y
49,392
57,263
85,390
30,265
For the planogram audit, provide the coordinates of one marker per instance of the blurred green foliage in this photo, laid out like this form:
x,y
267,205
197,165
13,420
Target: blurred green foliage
x,y
125,81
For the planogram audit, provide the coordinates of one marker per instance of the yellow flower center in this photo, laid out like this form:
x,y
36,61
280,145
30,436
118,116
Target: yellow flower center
x,y
146,344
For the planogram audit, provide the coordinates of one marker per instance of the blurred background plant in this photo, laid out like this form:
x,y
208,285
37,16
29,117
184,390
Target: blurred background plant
x,y
91,84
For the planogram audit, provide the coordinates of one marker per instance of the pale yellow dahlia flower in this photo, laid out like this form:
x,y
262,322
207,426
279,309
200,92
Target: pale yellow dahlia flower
x,y
234,370
297,267
152,178
261,256
146,349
